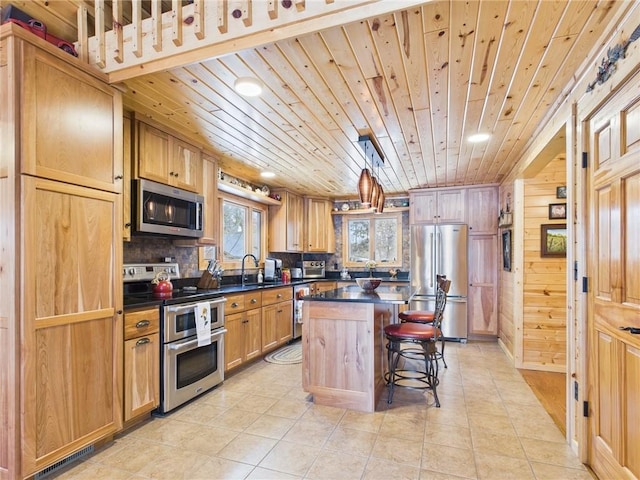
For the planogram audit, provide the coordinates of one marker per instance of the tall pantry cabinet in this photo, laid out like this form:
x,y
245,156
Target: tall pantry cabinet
x,y
60,255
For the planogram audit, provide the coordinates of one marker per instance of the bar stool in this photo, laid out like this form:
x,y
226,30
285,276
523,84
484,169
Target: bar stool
x,y
412,342
432,317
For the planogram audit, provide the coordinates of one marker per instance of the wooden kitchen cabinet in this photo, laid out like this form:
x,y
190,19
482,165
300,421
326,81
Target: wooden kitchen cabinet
x,y
319,287
243,340
482,210
320,236
286,223
61,331
141,362
127,159
166,159
277,317
482,293
210,194
433,206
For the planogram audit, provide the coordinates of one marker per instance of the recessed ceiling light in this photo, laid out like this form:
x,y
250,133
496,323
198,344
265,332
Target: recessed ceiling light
x,y
479,137
267,174
248,86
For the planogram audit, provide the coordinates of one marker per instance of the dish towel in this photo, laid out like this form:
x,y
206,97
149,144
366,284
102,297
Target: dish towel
x,y
203,323
298,311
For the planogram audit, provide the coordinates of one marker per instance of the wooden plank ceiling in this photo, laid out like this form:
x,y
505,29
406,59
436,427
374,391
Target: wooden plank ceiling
x,y
419,81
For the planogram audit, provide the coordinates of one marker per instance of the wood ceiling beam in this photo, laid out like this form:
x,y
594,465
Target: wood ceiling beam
x,y
221,28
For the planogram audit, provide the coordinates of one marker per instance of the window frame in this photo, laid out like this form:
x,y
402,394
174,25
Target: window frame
x,y
251,206
372,218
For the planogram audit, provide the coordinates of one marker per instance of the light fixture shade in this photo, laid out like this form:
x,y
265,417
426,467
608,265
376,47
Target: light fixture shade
x,y
374,193
380,205
248,86
365,186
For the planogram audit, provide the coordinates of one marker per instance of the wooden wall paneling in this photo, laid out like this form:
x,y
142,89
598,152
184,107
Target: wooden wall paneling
x,y
544,279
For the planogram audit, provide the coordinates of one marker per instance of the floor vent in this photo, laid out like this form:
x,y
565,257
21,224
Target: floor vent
x,y
63,463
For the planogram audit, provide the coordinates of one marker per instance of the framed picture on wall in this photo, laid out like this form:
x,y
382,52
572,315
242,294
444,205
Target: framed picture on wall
x,y
506,250
553,240
557,211
561,192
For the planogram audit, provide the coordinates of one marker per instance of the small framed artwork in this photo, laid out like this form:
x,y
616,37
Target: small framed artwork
x,y
557,211
553,240
561,192
506,250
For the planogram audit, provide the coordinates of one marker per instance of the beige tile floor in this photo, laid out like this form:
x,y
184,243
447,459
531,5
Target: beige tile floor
x,y
260,424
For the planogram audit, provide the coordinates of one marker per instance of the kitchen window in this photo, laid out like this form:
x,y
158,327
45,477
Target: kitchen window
x,y
243,230
372,237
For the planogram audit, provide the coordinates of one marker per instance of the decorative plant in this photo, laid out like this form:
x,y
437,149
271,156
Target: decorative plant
x,y
370,264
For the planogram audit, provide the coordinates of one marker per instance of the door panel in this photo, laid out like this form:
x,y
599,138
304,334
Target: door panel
x,y
614,296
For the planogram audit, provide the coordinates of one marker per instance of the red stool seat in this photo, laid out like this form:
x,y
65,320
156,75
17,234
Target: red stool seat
x,y
410,331
419,316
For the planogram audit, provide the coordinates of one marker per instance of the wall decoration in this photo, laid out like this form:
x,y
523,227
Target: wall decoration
x,y
553,240
506,250
557,211
608,65
561,192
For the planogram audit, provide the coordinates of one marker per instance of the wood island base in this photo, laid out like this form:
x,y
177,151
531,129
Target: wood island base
x,y
344,354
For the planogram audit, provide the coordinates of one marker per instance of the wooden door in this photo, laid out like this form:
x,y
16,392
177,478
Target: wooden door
x,y
153,153
482,306
284,322
269,327
252,333
614,290
71,124
233,340
451,206
72,324
185,167
141,375
482,210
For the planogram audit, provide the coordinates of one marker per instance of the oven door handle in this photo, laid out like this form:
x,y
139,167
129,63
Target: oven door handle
x,y
191,343
191,306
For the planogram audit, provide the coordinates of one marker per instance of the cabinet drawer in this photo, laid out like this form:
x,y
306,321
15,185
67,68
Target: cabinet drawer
x,y
276,295
253,300
234,303
143,322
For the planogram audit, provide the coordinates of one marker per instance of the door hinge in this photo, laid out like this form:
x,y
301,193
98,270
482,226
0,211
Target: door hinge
x,y
575,271
575,390
585,409
585,284
585,160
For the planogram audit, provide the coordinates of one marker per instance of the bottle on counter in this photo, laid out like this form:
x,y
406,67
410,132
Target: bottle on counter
x,y
260,276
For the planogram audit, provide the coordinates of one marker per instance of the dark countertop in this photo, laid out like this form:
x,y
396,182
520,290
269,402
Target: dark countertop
x,y
383,294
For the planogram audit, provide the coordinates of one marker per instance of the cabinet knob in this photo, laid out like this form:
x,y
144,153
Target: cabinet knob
x,y
143,323
279,295
142,341
253,300
119,312
118,177
127,225
234,305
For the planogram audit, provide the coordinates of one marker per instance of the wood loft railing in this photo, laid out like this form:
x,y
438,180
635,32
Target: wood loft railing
x,y
202,29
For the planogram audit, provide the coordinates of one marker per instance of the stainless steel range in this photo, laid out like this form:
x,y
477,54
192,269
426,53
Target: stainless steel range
x,y
191,361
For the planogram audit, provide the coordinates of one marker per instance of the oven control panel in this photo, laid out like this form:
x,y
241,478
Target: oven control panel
x,y
140,272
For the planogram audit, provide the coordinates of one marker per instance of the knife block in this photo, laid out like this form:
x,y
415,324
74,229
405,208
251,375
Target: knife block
x,y
208,282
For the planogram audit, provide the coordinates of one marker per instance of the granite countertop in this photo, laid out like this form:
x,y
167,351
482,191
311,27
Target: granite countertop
x,y
383,294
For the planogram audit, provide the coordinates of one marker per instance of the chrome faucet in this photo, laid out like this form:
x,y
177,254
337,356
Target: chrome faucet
x,y
255,260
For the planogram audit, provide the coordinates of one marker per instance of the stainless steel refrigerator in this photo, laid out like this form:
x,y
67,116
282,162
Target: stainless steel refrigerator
x,y
441,250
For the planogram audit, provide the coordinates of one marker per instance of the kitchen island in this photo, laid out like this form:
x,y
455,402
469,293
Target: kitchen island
x,y
343,347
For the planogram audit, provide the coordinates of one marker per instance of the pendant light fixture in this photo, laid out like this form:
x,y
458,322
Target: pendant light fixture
x,y
367,183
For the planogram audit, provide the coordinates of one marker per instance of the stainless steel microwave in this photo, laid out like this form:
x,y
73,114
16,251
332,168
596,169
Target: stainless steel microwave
x,y
163,210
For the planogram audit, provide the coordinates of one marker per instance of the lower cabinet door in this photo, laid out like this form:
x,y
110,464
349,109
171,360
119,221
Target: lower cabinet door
x,y
141,375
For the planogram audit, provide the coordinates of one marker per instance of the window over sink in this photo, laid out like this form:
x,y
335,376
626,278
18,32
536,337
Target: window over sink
x,y
375,237
243,228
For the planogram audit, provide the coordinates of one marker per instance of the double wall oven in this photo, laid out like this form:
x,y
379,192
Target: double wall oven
x,y
189,364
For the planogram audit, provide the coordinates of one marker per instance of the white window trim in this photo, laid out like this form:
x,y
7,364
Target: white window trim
x,y
251,205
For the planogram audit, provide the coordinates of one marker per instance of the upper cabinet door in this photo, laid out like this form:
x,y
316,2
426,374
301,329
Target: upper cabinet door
x,y
482,210
153,153
186,167
437,206
319,232
71,124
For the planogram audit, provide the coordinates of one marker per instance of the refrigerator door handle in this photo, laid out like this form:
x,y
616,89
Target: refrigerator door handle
x,y
433,260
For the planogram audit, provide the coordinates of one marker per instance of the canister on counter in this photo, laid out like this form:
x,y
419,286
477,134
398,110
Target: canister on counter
x,y
286,275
